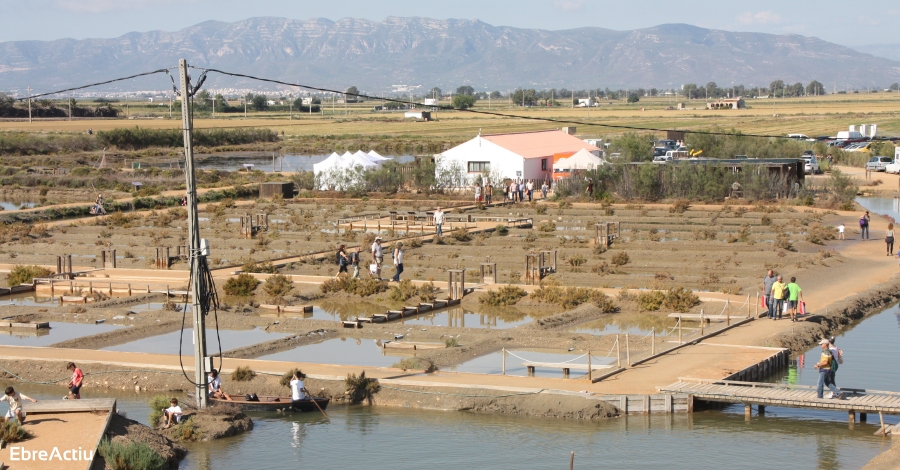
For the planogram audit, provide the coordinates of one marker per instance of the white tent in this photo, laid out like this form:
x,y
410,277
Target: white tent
x,y
373,155
582,160
332,161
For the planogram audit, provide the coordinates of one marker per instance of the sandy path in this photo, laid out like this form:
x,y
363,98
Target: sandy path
x,y
62,431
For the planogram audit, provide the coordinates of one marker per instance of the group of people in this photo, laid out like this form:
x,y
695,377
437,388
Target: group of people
x,y
347,260
14,399
781,297
520,191
864,222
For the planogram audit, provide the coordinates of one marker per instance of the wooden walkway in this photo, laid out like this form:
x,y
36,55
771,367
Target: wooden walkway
x,y
786,395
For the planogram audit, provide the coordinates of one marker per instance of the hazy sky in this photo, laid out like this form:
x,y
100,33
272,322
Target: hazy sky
x,y
847,23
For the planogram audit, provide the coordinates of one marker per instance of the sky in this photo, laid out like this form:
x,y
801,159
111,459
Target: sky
x,y
846,23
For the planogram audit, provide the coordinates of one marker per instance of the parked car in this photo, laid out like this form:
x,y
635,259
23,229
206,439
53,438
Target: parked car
x,y
811,164
878,163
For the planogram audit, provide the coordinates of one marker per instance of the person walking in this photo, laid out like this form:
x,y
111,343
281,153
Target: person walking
x,y
342,260
864,226
889,239
488,193
513,191
74,384
522,191
478,193
439,221
398,261
354,261
544,188
778,294
795,296
768,281
377,257
838,357
529,187
841,229
824,366
590,189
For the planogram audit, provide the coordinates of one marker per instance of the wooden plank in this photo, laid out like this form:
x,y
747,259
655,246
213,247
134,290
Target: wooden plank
x,y
71,406
565,365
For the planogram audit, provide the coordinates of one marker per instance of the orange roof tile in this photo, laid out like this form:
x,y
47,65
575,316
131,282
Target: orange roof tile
x,y
539,144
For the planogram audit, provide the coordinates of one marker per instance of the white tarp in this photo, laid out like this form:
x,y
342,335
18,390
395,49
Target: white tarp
x,y
582,160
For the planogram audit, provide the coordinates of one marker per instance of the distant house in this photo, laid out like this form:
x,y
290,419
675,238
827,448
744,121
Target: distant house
x,y
419,115
520,156
728,103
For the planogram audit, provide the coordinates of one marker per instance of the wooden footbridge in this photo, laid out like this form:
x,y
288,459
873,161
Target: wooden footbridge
x,y
786,395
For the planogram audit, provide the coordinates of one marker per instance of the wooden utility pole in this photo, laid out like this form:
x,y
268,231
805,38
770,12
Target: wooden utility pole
x,y
29,103
193,244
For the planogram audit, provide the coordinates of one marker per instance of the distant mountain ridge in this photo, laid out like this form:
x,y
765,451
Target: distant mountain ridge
x,y
446,53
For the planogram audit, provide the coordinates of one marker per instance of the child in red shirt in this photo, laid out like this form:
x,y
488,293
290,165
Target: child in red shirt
x,y
75,384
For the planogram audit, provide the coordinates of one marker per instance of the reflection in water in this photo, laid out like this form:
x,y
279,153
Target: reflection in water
x,y
642,323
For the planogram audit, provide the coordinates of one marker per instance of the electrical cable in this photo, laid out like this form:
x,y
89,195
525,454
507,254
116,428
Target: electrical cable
x,y
489,113
96,84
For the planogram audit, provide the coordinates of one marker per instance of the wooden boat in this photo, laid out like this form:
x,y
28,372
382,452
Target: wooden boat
x,y
271,403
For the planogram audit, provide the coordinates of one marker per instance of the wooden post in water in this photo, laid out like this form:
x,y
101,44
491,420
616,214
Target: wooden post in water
x,y
504,361
851,419
618,356
627,351
572,461
883,429
590,377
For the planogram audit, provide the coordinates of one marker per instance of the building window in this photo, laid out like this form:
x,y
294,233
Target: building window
x,y
479,167
543,164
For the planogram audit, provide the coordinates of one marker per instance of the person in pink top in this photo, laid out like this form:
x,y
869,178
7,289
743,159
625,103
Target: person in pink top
x,y
75,384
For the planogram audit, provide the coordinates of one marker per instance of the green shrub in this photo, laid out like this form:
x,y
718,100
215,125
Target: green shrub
x,y
157,404
680,206
547,227
765,220
360,387
22,274
819,234
264,267
783,241
416,363
451,342
576,260
427,292
361,287
501,230
12,431
506,295
651,300
243,374
130,456
404,291
571,297
620,259
461,235
541,210
278,285
242,286
680,299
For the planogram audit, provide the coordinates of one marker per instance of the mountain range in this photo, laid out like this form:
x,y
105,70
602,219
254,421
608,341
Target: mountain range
x,y
447,53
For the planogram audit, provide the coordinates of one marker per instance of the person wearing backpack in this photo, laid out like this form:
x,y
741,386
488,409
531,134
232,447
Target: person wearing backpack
x,y
837,358
824,366
342,260
864,226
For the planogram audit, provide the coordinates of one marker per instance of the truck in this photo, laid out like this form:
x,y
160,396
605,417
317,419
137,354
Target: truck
x,y
894,167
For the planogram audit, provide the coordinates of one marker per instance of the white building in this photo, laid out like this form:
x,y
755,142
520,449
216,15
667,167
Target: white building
x,y
524,155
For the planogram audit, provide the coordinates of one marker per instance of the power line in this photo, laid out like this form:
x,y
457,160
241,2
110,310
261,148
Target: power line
x,y
489,113
97,84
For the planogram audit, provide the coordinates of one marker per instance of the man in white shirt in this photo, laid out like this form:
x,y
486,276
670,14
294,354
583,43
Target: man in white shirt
x,y
172,414
377,257
530,187
298,389
215,386
439,221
